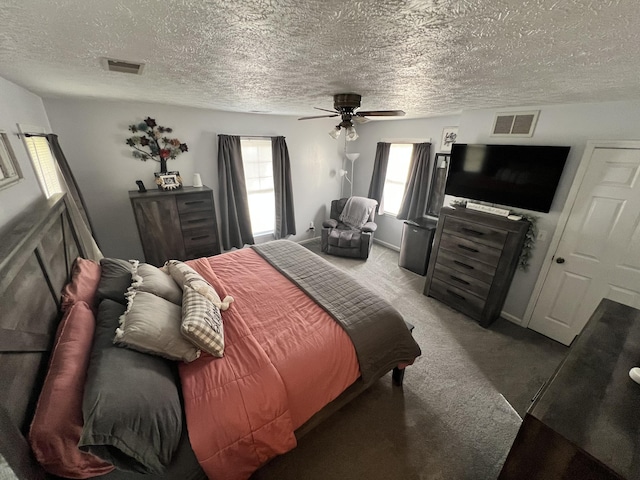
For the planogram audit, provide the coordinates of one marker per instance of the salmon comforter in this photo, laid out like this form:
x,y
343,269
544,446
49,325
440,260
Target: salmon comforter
x,y
285,359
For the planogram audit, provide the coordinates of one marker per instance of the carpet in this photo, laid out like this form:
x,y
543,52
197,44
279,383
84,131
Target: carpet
x,y
459,409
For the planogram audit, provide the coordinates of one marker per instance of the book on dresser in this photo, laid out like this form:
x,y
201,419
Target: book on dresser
x,y
176,224
473,260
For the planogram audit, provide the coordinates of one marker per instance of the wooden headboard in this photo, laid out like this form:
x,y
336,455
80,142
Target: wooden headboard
x,y
36,255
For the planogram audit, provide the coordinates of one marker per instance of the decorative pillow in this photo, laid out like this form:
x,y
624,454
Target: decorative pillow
x,y
115,279
57,423
85,277
201,322
183,274
152,325
132,411
147,278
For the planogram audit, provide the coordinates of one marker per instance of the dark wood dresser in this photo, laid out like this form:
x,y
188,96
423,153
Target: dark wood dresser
x,y
473,260
179,224
585,423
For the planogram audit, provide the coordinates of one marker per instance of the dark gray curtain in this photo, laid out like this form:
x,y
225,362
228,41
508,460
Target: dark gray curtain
x,y
376,186
72,185
285,217
235,222
416,194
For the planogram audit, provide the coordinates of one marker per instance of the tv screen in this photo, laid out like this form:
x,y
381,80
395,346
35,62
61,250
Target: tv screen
x,y
522,176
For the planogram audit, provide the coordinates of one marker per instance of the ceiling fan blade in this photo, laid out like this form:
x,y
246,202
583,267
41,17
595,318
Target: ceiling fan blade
x,y
325,110
359,120
381,113
319,116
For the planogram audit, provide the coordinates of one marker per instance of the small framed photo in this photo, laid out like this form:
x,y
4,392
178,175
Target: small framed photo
x,y
168,180
449,136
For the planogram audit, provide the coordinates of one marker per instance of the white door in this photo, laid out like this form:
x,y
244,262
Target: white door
x,y
599,252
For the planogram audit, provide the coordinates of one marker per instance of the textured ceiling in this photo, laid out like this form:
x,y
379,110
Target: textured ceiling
x,y
286,56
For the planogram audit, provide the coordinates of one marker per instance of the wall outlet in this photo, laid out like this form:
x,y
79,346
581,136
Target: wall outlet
x,y
311,226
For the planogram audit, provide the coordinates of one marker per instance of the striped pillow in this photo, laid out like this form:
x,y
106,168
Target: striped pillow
x,y
201,322
183,274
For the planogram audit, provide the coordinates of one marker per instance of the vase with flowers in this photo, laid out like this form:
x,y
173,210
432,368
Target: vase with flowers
x,y
149,135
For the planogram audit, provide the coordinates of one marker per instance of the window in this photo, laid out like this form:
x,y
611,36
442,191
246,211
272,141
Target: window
x,y
395,180
43,162
9,169
258,175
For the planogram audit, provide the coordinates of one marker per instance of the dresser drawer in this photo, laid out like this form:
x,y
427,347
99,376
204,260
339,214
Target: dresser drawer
x,y
462,281
484,234
197,220
199,238
194,202
457,298
468,266
471,249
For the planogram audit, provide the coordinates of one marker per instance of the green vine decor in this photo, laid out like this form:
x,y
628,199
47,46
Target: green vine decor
x,y
529,239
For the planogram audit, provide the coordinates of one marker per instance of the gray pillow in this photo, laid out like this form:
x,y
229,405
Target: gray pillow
x,y
131,407
148,278
115,279
152,324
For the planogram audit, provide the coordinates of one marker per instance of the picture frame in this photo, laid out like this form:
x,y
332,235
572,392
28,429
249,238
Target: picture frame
x,y
168,180
10,172
449,136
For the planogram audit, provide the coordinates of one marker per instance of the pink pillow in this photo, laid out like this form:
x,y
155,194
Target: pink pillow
x,y
83,285
57,423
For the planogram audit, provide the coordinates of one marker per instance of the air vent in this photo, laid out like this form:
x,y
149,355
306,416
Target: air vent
x,y
515,124
122,67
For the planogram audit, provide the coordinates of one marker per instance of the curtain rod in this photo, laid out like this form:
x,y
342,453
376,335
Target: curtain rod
x,y
31,134
250,136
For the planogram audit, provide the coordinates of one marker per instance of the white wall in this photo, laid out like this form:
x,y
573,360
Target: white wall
x,y
92,135
18,105
571,125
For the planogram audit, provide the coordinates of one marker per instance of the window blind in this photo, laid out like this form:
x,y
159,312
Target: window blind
x,y
43,164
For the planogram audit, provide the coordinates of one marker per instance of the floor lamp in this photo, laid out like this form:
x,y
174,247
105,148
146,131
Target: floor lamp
x,y
345,174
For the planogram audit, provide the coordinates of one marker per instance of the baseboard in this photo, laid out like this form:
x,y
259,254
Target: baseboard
x,y
308,240
385,244
511,318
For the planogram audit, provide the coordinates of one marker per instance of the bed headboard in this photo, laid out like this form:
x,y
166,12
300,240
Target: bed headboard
x,y
36,255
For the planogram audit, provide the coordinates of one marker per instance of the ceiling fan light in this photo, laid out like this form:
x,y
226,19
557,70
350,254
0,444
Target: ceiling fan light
x,y
351,134
335,132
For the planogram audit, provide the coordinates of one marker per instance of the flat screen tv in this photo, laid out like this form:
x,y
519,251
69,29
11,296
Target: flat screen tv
x,y
521,176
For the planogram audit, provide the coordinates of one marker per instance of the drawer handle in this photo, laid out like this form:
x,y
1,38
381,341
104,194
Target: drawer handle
x,y
194,202
459,280
197,221
458,262
469,249
472,231
457,295
199,237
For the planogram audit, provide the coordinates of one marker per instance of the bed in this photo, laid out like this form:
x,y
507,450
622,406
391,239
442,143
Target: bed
x,y
280,288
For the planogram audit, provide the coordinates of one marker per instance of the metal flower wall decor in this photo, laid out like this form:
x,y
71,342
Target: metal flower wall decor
x,y
149,135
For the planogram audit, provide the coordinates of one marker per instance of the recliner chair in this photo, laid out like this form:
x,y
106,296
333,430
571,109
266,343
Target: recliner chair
x,y
343,240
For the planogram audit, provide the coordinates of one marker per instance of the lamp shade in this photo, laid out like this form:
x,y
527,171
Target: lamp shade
x,y
353,156
335,132
351,134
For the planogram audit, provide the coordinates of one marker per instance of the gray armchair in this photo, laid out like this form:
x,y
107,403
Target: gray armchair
x,y
343,240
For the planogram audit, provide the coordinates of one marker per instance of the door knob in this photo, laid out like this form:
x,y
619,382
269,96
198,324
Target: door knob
x,y
559,260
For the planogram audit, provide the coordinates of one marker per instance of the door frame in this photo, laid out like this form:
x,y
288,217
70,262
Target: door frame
x,y
566,212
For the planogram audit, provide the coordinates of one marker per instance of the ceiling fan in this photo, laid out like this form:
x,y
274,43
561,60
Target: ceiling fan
x,y
345,105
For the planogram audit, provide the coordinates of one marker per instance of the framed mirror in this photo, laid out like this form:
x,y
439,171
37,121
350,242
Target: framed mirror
x,y
10,172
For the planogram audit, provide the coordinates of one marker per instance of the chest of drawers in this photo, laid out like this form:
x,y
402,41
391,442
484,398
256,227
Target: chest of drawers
x,y
474,257
178,225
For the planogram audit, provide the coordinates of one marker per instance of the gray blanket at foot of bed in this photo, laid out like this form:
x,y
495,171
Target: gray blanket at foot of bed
x,y
377,330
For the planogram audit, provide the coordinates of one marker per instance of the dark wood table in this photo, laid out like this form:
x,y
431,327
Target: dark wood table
x,y
585,422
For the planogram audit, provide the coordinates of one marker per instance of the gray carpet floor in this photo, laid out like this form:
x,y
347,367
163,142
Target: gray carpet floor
x,y
460,406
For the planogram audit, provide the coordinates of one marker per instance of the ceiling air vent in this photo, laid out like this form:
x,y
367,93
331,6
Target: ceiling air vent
x,y
515,124
122,66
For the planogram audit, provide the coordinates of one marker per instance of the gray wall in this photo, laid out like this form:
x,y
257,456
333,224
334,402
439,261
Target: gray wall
x,y
92,134
571,125
18,105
